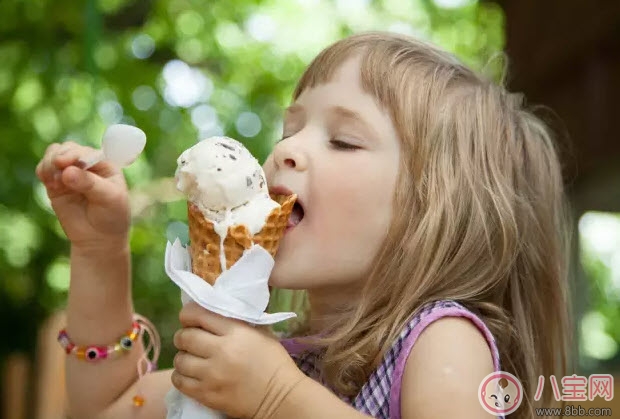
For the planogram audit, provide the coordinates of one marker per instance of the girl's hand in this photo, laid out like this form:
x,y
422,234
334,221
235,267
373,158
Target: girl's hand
x,y
91,205
230,366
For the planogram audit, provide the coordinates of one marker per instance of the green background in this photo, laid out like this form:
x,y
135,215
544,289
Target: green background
x,y
181,70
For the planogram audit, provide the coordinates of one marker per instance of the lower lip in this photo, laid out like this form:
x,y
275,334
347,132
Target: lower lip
x,y
290,227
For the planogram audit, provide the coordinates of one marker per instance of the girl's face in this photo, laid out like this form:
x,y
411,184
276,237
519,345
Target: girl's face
x,y
340,155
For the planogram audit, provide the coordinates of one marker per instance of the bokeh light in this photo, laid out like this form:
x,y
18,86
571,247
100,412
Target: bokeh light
x,y
144,97
453,4
184,85
142,46
248,124
261,27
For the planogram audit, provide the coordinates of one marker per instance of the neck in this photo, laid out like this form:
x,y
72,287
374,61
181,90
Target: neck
x,y
328,305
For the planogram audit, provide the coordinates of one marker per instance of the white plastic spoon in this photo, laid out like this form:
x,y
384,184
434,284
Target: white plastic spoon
x,y
121,145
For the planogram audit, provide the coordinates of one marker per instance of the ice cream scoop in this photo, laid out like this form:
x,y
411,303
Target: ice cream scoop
x,y
121,145
234,229
223,180
219,173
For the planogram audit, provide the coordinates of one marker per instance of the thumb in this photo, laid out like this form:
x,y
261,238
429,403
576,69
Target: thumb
x,y
95,188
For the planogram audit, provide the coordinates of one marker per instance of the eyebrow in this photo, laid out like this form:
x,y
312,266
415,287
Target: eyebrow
x,y
293,109
339,111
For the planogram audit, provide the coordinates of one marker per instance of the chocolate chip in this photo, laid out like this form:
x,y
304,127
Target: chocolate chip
x,y
232,157
226,146
219,169
248,181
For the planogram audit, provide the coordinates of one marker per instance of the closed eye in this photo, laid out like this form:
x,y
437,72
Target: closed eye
x,y
341,145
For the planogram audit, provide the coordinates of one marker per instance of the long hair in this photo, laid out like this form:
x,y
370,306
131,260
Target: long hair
x,y
485,220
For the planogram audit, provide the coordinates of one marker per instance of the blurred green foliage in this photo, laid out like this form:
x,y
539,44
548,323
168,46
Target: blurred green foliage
x,y
599,343
180,70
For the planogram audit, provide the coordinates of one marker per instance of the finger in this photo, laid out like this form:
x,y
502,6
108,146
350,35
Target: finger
x,y
95,188
55,169
46,168
78,155
72,154
196,341
190,365
186,385
68,153
192,315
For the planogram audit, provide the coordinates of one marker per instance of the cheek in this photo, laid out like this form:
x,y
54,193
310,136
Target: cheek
x,y
348,212
360,201
351,215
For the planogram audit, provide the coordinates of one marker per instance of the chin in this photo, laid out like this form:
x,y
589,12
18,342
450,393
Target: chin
x,y
280,279
284,277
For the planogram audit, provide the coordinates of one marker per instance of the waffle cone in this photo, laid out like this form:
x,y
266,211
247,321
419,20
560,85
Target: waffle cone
x,y
205,242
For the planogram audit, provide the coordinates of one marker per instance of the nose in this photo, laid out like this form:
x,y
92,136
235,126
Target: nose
x,y
287,155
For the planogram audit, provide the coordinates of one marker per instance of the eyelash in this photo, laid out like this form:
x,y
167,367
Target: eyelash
x,y
336,144
341,145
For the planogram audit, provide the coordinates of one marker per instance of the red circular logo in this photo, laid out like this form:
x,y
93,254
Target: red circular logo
x,y
500,393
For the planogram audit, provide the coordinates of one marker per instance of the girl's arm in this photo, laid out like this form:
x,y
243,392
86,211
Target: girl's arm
x,y
93,209
310,400
441,379
153,387
444,371
99,311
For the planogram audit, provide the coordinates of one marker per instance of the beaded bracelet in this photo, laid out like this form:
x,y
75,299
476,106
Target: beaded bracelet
x,y
141,327
94,352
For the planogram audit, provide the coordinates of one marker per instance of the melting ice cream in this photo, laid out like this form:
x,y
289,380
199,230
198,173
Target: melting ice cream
x,y
222,178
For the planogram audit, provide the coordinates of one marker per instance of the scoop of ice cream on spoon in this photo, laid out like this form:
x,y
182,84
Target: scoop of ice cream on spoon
x,y
121,145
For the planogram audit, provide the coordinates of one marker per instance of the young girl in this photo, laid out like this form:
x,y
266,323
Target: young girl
x,y
431,243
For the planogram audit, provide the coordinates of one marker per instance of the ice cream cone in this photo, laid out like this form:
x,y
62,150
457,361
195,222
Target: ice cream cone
x,y
205,242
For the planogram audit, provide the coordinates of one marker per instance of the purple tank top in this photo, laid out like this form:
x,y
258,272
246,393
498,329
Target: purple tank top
x,y
380,395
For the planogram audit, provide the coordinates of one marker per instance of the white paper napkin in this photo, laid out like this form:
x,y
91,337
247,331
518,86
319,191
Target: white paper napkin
x,y
241,292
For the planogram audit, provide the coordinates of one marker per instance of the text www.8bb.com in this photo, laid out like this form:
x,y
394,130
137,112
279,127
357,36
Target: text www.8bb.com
x,y
574,411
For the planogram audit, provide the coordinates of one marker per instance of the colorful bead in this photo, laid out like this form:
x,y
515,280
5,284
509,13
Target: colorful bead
x,y
126,343
95,353
138,401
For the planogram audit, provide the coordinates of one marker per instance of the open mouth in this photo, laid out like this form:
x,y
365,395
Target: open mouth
x,y
297,214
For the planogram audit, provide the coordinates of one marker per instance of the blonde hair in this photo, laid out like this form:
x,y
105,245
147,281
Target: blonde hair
x,y
487,220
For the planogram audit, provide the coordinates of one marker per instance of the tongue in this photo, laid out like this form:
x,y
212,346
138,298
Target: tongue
x,y
296,215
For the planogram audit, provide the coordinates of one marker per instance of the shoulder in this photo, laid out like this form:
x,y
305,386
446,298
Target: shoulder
x,y
444,370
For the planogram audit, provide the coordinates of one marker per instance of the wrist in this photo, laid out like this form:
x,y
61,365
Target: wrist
x,y
106,248
283,394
